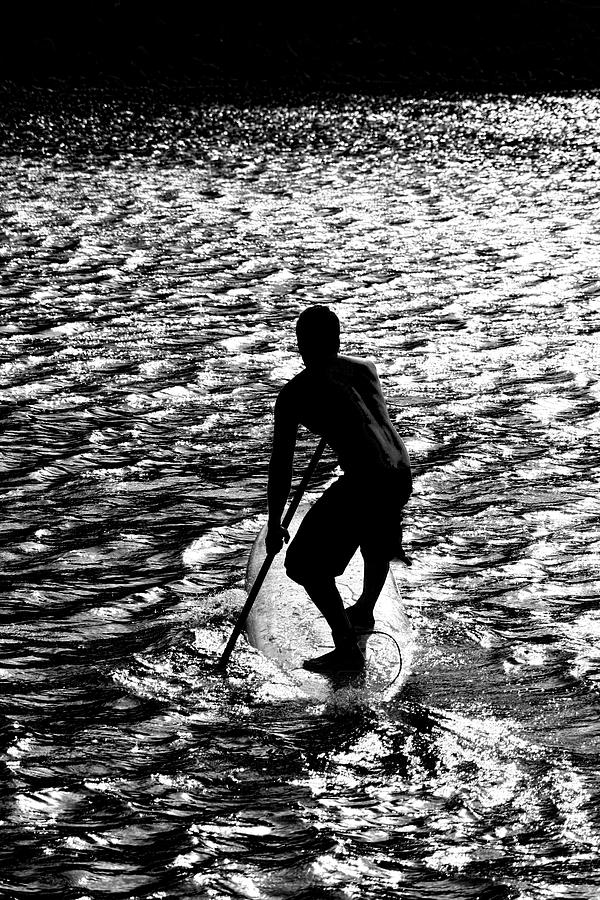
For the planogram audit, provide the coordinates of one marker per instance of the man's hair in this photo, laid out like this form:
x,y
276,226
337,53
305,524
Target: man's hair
x,y
318,331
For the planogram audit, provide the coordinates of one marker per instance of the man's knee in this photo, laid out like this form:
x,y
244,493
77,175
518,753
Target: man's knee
x,y
294,567
376,556
307,569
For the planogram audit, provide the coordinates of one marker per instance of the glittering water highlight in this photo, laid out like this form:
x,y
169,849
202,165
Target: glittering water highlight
x,y
154,259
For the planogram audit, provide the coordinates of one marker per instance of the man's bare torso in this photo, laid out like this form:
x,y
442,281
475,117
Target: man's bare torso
x,y
341,399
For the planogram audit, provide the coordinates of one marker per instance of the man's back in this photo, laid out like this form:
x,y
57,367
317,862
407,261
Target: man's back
x,y
341,399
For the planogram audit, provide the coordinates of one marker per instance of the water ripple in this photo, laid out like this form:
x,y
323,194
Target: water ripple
x,y
154,259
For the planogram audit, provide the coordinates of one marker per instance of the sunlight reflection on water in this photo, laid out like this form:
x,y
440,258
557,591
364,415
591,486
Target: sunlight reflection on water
x,y
153,273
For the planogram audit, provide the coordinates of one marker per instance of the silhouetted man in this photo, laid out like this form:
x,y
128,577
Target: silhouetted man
x,y
339,398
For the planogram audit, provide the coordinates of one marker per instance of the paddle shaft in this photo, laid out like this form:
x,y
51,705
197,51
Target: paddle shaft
x,y
295,503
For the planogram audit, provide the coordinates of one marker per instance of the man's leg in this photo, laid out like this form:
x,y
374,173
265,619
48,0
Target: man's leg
x,y
347,654
361,614
381,541
326,597
324,544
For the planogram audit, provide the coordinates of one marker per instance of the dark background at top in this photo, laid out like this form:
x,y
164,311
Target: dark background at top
x,y
517,44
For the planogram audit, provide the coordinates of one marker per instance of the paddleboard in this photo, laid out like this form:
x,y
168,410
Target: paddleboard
x,y
287,628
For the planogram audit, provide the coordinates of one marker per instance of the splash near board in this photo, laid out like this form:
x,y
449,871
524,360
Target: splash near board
x,y
287,628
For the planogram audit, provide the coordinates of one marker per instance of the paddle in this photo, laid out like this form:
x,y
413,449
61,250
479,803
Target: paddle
x,y
270,556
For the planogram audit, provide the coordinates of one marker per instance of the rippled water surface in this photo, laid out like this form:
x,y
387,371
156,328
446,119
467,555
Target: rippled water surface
x,y
153,267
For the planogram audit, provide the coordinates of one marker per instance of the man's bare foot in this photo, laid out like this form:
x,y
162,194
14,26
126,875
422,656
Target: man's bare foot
x,y
342,659
360,618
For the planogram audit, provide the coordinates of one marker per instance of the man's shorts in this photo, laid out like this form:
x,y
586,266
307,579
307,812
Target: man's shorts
x,y
350,514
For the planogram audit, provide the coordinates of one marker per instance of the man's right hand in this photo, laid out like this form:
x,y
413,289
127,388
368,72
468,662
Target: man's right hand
x,y
276,537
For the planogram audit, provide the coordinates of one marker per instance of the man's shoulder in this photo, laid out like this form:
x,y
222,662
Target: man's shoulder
x,y
292,391
294,385
358,362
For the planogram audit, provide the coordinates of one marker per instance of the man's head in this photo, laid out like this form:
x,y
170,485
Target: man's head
x,y
318,333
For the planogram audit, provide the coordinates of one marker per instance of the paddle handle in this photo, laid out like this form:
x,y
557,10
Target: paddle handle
x,y
308,474
291,511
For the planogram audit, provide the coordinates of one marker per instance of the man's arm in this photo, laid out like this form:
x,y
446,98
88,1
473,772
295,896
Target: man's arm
x,y
280,471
